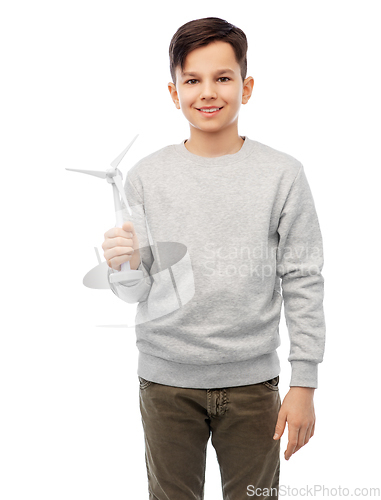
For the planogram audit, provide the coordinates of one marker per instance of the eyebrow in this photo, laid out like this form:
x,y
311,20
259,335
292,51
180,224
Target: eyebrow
x,y
191,73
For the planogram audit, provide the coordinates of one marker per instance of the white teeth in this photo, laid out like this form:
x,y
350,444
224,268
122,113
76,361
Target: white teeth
x,y
210,110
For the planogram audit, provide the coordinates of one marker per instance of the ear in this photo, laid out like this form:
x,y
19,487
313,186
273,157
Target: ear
x,y
174,94
247,90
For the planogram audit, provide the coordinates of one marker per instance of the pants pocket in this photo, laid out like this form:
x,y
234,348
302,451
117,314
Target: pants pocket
x,y
143,383
272,384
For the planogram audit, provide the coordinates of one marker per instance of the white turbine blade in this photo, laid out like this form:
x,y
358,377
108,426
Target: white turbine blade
x,y
97,253
117,160
102,175
119,184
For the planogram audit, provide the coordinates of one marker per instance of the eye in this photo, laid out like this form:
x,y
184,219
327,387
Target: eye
x,y
193,80
226,78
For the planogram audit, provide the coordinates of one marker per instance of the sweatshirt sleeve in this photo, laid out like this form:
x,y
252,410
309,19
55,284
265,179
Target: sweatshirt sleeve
x,y
299,265
136,291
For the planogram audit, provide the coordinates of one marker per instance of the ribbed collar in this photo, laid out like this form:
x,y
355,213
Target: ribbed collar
x,y
218,161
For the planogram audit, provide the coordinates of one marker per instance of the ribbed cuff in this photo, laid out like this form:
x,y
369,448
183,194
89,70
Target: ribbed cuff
x,y
136,291
304,374
135,283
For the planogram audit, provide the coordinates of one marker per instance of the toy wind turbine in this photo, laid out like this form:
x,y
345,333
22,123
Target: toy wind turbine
x,y
114,177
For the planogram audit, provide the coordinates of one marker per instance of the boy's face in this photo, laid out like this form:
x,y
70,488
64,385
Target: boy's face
x,y
209,86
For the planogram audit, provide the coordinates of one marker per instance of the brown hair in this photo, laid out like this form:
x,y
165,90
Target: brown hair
x,y
200,32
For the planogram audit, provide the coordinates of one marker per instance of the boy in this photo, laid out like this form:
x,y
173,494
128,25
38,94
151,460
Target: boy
x,y
246,216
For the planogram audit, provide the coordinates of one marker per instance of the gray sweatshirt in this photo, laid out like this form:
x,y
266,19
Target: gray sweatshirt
x,y
224,242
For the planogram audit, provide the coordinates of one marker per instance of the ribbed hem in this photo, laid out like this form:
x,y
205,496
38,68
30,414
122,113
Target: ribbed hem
x,y
304,374
213,376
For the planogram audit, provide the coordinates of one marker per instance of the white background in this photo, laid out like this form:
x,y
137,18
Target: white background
x,y
79,81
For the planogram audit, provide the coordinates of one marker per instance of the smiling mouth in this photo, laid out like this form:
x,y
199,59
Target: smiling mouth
x,y
206,112
209,110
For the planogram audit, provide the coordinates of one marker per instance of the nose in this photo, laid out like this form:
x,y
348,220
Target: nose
x,y
208,91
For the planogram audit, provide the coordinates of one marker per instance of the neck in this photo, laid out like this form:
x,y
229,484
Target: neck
x,y
213,144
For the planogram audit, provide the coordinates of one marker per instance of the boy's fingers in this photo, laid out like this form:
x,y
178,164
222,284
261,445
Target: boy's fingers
x,y
128,226
114,232
302,439
116,252
292,442
312,430
117,231
308,435
115,262
112,253
280,426
118,241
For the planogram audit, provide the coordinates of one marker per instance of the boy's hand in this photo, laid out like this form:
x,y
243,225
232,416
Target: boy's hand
x,y
121,245
298,410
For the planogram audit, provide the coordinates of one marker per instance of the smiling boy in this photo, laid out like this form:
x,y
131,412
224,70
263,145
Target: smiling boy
x,y
210,367
211,79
